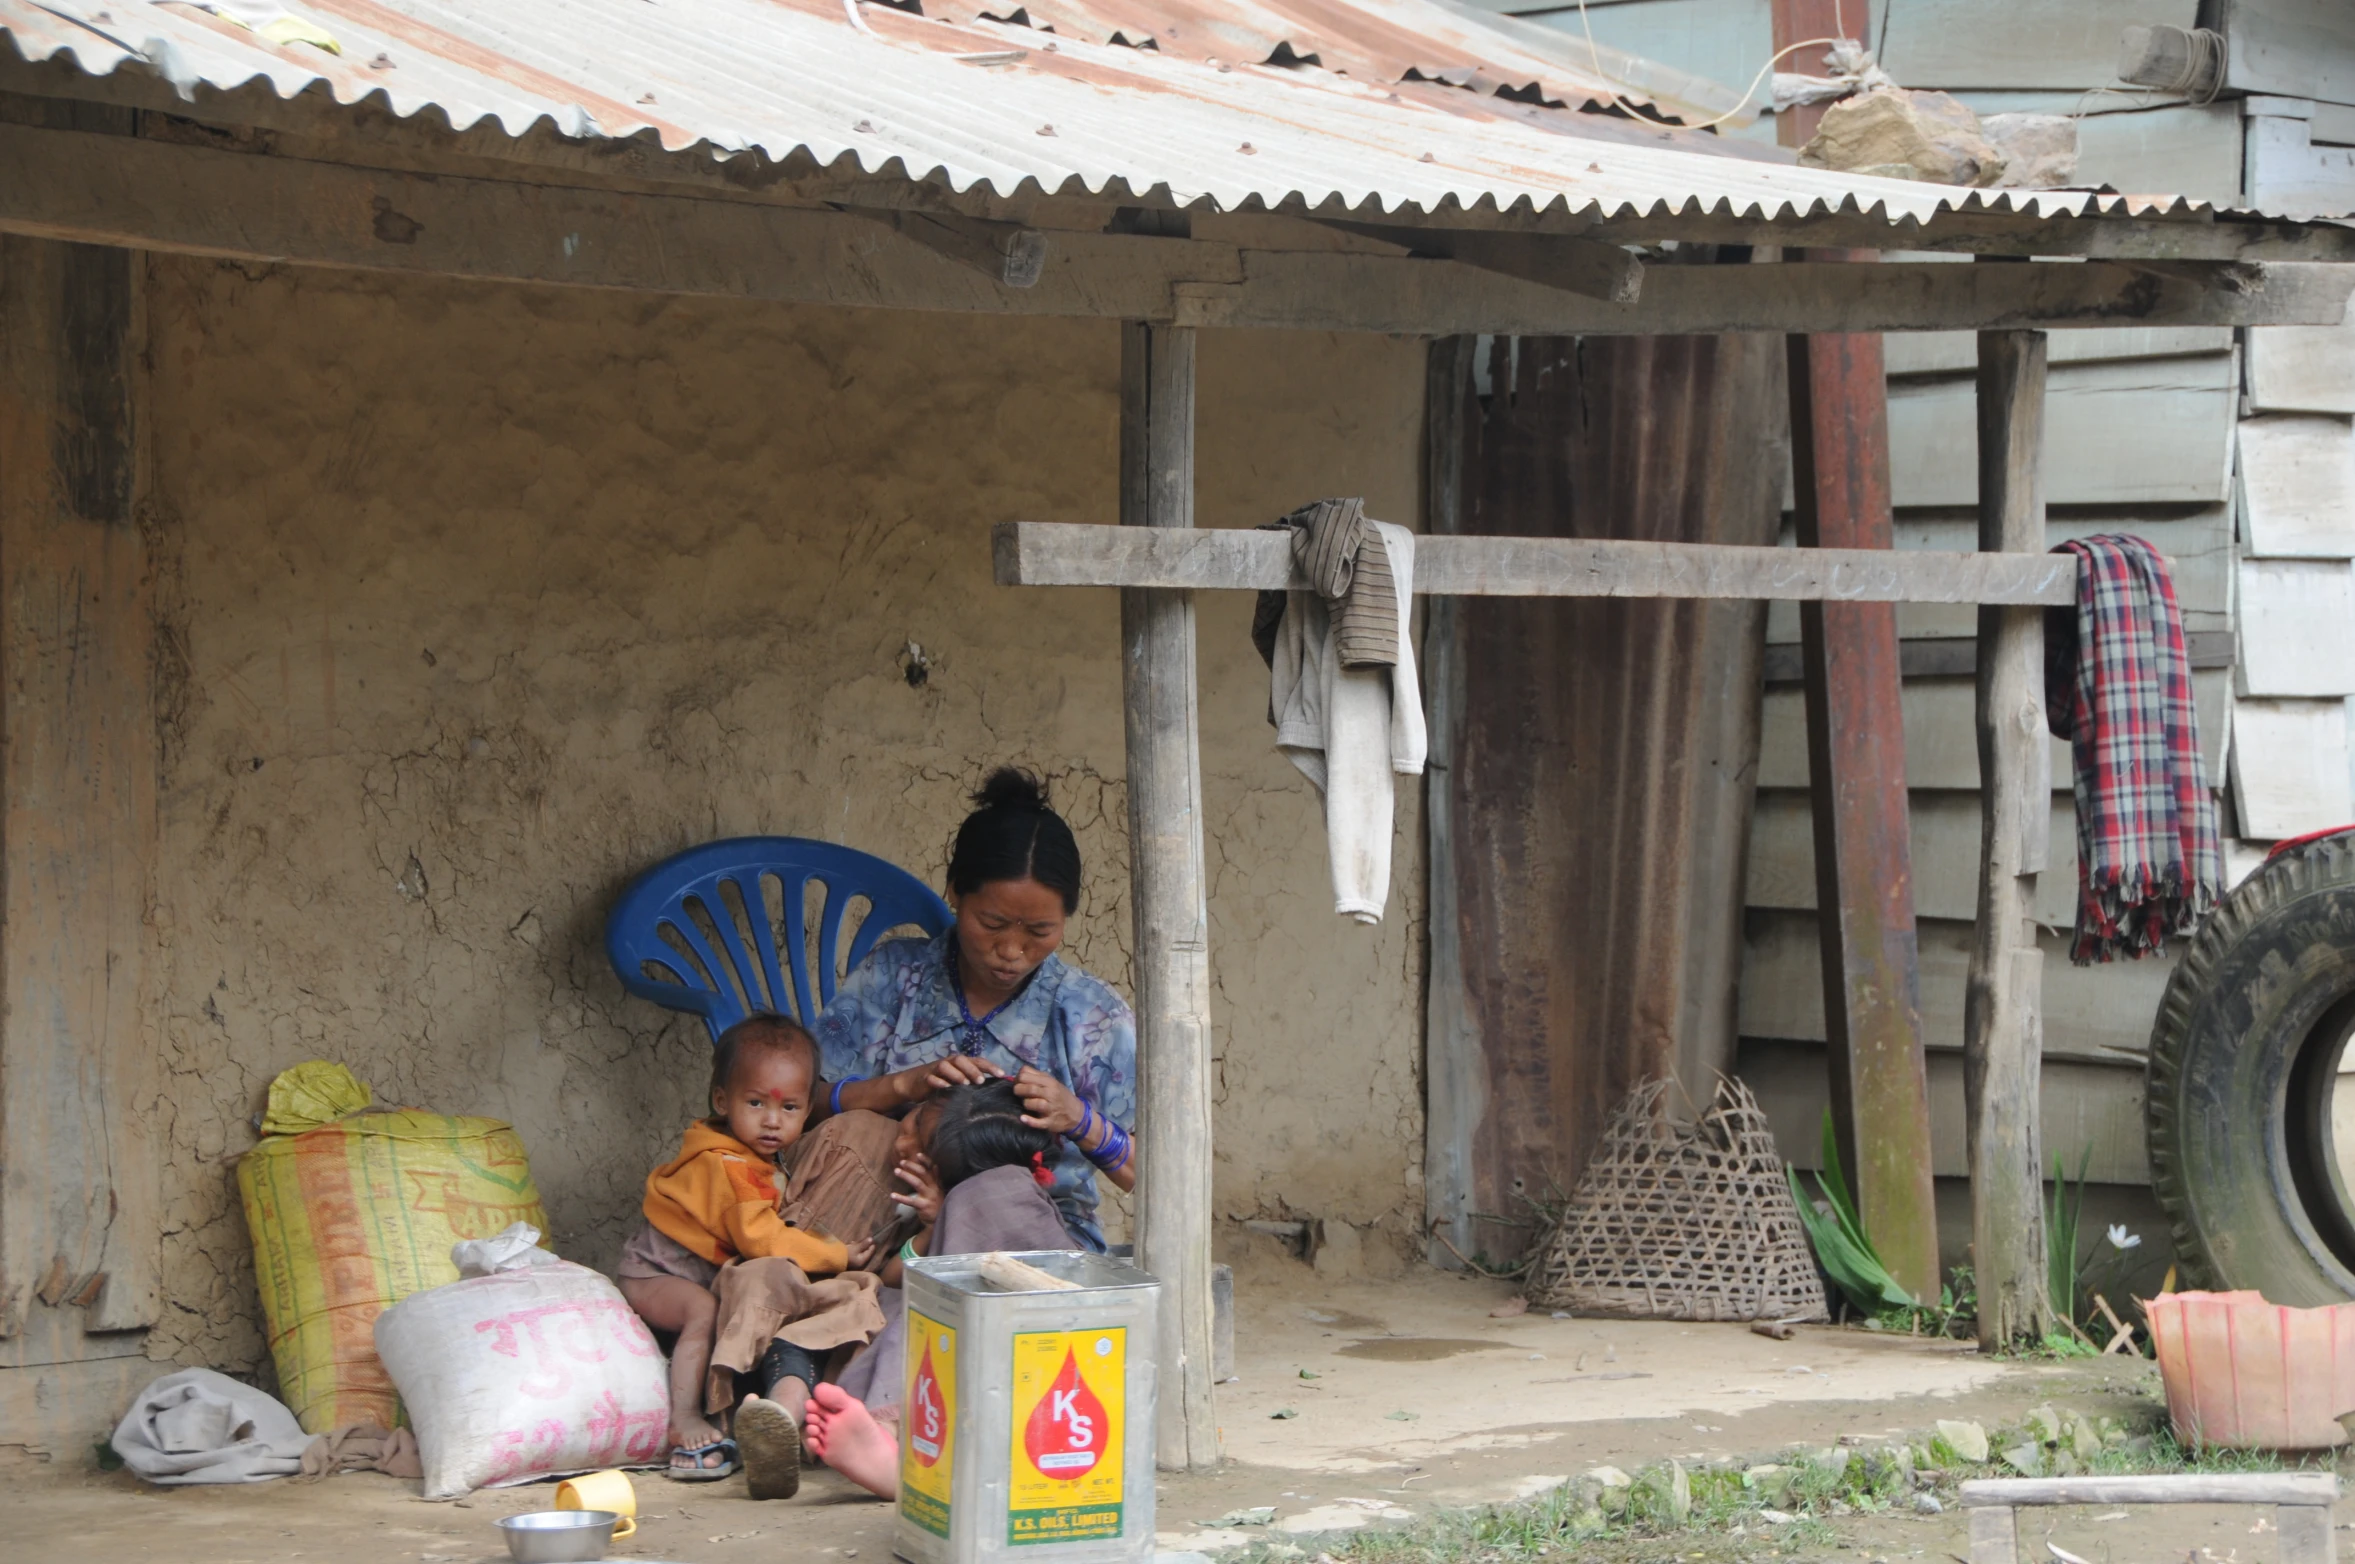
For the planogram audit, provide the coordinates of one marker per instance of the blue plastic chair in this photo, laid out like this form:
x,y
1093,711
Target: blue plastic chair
x,y
695,932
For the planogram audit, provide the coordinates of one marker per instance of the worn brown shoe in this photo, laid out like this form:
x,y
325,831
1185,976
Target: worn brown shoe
x,y
771,1447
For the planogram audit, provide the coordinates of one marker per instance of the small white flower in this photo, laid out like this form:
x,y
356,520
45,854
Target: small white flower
x,y
2122,1239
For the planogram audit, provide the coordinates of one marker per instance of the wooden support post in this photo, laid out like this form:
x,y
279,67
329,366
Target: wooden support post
x,y
2003,1028
1168,890
1863,852
81,1205
1856,759
1995,1535
1454,1083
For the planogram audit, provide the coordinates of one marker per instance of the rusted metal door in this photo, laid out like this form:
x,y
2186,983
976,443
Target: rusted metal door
x,y
1589,809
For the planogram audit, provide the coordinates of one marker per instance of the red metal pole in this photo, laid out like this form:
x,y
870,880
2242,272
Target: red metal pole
x,y
1856,759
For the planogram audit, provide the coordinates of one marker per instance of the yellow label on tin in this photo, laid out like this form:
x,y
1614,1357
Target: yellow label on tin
x,y
1069,1407
928,1420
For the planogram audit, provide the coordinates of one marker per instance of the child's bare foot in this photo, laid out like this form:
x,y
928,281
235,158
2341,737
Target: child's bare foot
x,y
699,1452
772,1449
844,1434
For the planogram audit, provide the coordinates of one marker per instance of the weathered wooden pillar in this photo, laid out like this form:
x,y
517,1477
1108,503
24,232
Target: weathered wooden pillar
x,y
80,1190
1863,852
1454,1082
1856,756
1168,891
2003,1024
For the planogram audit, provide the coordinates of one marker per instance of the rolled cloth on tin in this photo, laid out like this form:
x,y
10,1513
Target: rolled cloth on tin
x,y
1347,565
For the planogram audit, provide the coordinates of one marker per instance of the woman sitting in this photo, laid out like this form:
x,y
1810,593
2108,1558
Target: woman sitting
x,y
991,998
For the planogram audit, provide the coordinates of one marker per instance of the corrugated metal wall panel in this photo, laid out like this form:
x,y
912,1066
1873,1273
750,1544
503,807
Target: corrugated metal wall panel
x,y
1598,787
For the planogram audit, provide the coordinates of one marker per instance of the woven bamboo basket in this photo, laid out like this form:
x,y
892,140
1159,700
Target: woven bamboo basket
x,y
1681,1221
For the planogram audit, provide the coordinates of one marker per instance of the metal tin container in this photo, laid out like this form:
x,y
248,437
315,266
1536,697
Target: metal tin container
x,y
1026,1432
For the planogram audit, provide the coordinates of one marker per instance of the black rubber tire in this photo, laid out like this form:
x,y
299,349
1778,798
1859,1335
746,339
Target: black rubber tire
x,y
2242,1061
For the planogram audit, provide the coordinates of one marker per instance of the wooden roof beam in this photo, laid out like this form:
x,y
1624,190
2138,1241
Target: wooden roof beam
x,y
2198,237
331,131
253,205
1588,267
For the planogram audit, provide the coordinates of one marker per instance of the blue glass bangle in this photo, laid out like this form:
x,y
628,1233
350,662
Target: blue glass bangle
x,y
834,1098
1113,1153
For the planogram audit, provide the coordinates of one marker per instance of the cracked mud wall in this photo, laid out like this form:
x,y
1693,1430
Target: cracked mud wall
x,y
477,600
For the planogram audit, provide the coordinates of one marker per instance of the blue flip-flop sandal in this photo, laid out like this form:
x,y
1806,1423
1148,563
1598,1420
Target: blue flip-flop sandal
x,y
698,1472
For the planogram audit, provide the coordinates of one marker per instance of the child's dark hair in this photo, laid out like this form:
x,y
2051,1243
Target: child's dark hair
x,y
981,1128
1013,835
780,1034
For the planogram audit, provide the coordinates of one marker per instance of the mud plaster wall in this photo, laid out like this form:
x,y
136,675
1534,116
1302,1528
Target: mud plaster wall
x,y
476,600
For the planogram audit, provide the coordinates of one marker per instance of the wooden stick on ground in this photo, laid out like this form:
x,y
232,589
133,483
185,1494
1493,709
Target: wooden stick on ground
x,y
2123,1341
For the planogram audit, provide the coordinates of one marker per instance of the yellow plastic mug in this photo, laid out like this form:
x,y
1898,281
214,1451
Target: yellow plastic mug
x,y
602,1491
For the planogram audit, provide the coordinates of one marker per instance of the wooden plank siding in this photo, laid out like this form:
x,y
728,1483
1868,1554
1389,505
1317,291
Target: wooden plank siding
x,y
2198,541
2297,486
1945,834
2302,369
2297,627
2296,48
2087,1107
1940,748
2290,767
2100,1014
2118,433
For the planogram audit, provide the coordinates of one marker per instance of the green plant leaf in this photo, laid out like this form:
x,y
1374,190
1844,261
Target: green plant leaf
x,y
2063,1213
1849,1260
1835,1185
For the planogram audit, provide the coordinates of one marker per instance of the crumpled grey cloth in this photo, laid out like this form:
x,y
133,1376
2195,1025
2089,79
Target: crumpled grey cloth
x,y
365,1447
1348,566
197,1426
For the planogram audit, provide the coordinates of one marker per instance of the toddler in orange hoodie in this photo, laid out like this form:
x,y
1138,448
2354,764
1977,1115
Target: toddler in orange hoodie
x,y
715,1201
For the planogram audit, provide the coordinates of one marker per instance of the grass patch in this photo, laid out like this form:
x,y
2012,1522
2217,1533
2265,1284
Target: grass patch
x,y
1738,1513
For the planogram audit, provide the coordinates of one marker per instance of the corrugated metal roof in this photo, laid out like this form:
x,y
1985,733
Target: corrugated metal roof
x,y
996,105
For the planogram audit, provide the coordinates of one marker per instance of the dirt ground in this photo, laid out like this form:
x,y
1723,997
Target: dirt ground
x,y
1419,1400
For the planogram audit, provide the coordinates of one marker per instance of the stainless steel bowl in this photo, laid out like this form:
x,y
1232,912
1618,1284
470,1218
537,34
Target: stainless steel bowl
x,y
558,1536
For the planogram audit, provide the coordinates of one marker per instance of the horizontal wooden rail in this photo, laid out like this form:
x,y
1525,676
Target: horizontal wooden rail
x,y
2167,1488
2301,1503
1033,553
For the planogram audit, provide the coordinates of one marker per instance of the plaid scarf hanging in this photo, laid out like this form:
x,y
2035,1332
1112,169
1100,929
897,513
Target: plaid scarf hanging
x,y
2118,688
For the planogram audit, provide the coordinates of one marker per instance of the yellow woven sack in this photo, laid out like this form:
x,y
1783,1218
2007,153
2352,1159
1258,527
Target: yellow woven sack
x,y
352,1215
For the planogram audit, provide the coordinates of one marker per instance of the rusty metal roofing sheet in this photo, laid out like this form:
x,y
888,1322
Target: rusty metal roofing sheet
x,y
971,102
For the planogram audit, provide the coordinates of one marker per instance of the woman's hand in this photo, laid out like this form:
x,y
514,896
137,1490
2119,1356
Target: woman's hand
x,y
920,1081
1048,1103
923,1192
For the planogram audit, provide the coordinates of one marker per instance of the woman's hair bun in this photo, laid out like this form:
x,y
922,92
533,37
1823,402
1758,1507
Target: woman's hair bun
x,y
1013,834
1010,787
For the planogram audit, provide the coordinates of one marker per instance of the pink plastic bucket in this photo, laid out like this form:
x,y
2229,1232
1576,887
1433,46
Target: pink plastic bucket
x,y
2254,1375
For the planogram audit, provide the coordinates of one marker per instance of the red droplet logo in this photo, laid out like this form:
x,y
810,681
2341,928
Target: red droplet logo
x,y
1065,1435
927,1421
